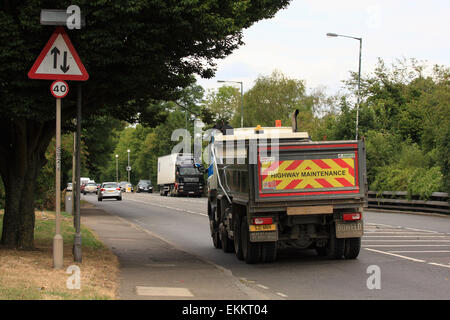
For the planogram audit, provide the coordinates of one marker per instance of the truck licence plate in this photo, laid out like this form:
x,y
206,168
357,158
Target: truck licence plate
x,y
263,227
352,229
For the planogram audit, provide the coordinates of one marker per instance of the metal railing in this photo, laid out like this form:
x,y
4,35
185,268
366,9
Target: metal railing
x,y
397,200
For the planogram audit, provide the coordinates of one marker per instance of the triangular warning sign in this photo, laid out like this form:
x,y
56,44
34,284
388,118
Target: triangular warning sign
x,y
58,60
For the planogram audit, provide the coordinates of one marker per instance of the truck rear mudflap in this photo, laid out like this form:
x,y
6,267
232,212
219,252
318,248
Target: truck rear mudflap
x,y
310,171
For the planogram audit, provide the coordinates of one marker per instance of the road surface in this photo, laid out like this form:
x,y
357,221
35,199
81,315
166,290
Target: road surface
x,y
411,253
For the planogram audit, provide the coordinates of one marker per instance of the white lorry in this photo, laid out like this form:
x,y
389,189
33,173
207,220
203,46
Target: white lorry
x,y
179,175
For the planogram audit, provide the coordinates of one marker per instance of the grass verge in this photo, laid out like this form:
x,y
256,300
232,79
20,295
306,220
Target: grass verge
x,y
30,275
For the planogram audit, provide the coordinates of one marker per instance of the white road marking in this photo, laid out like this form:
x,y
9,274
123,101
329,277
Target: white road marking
x,y
410,245
379,232
168,207
421,236
282,295
395,255
398,227
379,240
420,230
261,286
418,251
438,264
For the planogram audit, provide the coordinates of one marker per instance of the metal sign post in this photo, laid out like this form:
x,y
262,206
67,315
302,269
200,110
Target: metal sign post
x,y
59,61
77,257
59,89
58,239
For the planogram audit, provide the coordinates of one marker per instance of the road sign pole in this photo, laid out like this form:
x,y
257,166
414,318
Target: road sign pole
x,y
77,257
58,240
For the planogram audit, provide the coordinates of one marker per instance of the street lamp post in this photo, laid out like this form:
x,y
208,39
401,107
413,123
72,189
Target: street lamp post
x,y
359,77
128,165
117,168
242,98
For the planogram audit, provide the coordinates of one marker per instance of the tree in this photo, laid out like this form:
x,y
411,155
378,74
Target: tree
x,y
100,135
223,104
135,52
272,98
405,117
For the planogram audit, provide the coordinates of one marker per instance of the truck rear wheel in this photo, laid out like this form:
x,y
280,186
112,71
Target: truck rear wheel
x,y
268,251
227,243
352,248
237,239
335,247
213,227
251,251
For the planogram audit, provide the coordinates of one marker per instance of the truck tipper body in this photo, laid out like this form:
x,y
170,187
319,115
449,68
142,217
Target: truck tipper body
x,y
271,188
179,175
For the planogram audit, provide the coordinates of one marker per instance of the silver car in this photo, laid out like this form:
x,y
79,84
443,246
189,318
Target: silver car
x,y
109,190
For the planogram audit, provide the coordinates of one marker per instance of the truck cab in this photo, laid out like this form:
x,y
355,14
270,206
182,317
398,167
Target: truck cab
x,y
179,175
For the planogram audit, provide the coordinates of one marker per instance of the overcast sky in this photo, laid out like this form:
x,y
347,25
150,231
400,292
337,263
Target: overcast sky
x,y
295,40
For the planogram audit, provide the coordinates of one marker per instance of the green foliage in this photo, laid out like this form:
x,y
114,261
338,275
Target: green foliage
x,y
405,118
222,105
273,97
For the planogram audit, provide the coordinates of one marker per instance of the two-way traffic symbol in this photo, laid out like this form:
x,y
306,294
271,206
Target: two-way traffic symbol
x,y
58,60
64,67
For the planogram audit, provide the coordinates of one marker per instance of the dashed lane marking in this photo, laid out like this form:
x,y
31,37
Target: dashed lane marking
x,y
262,286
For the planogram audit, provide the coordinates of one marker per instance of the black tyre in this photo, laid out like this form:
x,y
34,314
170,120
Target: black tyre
x,y
251,251
213,228
227,243
335,247
321,251
216,240
119,198
352,248
237,237
100,199
268,251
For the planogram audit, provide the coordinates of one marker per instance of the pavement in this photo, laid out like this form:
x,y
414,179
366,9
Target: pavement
x,y
153,268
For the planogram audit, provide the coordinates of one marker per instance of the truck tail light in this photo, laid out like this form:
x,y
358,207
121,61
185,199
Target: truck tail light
x,y
351,216
259,221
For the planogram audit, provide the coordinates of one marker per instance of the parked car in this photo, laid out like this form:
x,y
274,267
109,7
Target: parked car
x,y
91,187
69,186
109,190
144,186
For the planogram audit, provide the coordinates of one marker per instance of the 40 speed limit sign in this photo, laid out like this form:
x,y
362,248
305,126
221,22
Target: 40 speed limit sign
x,y
59,89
